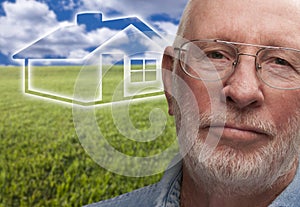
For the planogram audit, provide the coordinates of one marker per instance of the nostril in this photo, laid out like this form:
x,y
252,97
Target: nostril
x,y
229,100
243,99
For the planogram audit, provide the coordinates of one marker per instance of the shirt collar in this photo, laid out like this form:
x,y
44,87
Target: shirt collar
x,y
172,179
173,196
290,197
170,185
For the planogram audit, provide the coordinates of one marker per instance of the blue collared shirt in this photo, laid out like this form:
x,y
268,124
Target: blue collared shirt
x,y
166,193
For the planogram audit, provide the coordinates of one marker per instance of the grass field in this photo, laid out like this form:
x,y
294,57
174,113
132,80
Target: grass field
x,y
42,161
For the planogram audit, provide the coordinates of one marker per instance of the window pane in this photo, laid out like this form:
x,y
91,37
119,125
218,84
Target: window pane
x,y
150,75
137,76
150,64
136,64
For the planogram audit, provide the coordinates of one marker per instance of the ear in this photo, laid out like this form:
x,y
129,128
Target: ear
x,y
167,68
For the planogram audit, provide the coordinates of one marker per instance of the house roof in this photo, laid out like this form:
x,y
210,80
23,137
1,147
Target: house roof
x,y
89,32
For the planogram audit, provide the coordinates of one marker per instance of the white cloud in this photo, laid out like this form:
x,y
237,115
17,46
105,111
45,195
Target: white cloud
x,y
24,22
130,42
143,10
68,4
92,39
27,21
100,35
115,55
28,10
77,54
139,8
167,27
71,42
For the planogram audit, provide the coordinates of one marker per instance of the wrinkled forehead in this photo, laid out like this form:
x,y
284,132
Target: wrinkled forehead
x,y
265,22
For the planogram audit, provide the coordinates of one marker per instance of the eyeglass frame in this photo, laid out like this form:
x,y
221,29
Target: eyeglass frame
x,y
236,61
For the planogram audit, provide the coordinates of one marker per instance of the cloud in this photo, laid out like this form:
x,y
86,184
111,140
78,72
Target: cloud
x,y
68,4
91,39
130,42
133,42
78,53
100,35
24,21
167,27
71,41
146,10
28,21
143,9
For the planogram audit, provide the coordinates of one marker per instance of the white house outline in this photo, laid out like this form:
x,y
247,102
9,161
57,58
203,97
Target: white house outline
x,y
28,63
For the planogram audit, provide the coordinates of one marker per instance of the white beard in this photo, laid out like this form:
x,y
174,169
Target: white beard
x,y
230,171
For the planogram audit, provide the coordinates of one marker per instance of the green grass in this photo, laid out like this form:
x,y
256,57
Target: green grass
x,y
49,81
87,83
42,162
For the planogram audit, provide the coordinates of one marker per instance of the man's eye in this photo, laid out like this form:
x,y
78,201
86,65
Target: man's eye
x,y
283,62
215,55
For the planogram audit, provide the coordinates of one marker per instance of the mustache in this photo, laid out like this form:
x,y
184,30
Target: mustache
x,y
238,118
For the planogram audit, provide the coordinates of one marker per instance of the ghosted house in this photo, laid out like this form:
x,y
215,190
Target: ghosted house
x,y
98,50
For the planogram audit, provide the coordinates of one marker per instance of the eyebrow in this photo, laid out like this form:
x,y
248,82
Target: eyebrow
x,y
263,41
276,43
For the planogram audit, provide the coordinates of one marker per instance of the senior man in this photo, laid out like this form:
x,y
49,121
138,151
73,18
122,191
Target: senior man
x,y
250,48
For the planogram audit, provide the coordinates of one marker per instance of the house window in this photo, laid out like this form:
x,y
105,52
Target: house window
x,y
143,70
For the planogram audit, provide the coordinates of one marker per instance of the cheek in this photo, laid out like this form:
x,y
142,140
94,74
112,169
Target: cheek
x,y
208,97
197,88
283,107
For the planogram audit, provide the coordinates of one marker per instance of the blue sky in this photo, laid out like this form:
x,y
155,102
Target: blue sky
x,y
23,22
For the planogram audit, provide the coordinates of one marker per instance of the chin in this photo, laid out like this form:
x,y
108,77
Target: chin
x,y
236,170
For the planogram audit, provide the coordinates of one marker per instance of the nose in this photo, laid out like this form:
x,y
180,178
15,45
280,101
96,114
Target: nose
x,y
243,88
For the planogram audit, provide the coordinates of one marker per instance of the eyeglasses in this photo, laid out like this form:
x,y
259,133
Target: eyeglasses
x,y
212,60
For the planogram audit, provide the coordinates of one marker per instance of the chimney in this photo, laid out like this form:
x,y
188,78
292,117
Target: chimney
x,y
91,21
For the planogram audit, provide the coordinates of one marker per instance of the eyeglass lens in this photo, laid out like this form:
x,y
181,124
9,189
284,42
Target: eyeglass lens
x,y
211,61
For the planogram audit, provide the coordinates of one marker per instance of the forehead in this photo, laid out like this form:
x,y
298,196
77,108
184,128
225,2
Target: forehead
x,y
266,22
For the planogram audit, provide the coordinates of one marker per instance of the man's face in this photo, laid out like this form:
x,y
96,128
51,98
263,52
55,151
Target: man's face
x,y
259,140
